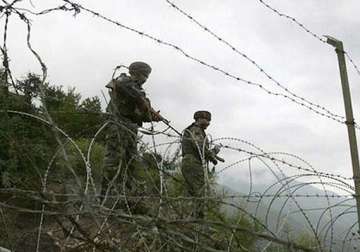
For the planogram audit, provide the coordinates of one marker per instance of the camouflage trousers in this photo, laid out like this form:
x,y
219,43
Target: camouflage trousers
x,y
120,153
193,173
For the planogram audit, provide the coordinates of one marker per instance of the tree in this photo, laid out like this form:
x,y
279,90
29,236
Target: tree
x,y
27,144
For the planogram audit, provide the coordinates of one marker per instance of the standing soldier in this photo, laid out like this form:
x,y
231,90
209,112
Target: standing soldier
x,y
129,108
196,154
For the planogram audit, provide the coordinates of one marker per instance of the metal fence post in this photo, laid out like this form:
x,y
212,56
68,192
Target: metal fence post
x,y
350,123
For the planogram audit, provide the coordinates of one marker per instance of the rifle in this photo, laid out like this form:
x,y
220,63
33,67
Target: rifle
x,y
160,117
215,151
220,159
167,122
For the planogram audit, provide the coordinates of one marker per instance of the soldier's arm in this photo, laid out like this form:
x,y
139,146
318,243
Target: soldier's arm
x,y
123,84
199,143
128,88
211,156
197,138
149,113
208,154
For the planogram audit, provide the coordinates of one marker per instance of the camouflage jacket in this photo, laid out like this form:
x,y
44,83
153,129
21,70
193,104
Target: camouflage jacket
x,y
195,142
128,101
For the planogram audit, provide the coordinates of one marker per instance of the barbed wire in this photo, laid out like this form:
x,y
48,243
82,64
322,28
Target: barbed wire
x,y
49,119
301,25
352,63
268,156
63,7
51,195
152,229
4,52
307,30
174,199
213,67
253,62
325,174
233,48
313,173
77,7
300,209
255,195
313,34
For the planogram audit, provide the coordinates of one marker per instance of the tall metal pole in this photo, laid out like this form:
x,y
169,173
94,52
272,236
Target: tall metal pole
x,y
349,119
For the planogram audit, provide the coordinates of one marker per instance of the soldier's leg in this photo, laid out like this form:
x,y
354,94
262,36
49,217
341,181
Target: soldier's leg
x,y
112,160
199,188
130,157
186,170
193,173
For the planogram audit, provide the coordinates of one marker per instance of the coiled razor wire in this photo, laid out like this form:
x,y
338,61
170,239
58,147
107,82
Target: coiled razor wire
x,y
287,190
274,165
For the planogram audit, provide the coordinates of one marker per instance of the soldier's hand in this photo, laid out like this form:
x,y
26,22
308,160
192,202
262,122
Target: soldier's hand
x,y
156,116
214,161
215,150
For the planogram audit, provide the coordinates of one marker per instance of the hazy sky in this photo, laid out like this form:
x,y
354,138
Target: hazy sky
x,y
82,51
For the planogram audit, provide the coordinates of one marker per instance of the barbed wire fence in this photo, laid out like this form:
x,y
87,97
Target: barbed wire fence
x,y
278,193
85,223
320,38
254,63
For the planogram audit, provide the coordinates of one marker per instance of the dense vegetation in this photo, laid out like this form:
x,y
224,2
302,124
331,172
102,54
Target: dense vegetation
x,y
26,143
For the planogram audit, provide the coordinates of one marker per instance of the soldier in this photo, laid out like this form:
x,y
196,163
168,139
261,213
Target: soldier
x,y
129,108
196,154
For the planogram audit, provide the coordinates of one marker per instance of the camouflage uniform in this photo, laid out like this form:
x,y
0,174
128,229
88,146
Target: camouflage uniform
x,y
196,154
129,108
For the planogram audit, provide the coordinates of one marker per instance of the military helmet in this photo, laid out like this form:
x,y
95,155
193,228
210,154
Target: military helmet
x,y
140,67
202,114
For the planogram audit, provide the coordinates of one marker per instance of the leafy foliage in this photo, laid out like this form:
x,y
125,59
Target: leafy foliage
x,y
26,144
